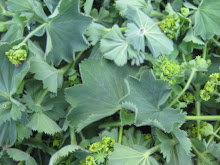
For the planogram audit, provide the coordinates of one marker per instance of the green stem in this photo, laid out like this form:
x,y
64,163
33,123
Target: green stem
x,y
184,89
77,57
5,95
42,97
65,68
184,58
212,136
216,42
152,150
111,124
200,154
156,14
163,4
206,118
120,135
198,111
33,32
204,52
73,136
123,29
81,135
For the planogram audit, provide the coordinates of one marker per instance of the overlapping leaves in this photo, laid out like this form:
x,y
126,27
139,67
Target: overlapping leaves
x,y
146,98
64,26
100,94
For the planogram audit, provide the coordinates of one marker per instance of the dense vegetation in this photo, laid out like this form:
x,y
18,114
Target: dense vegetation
x,y
109,82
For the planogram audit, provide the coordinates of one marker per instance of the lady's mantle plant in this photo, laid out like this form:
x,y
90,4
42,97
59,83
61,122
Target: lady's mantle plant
x,y
109,82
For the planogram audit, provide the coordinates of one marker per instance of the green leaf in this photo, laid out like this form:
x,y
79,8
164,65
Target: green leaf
x,y
103,17
214,149
51,4
122,5
96,32
66,151
114,47
175,151
100,94
127,117
65,32
19,155
207,19
7,133
51,77
190,37
10,79
125,155
88,6
18,27
42,123
146,97
20,5
134,137
22,132
142,27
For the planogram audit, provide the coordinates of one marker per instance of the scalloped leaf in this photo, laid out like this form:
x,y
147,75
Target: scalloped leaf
x,y
122,5
52,78
100,94
19,155
7,133
10,79
65,151
144,28
174,151
42,123
65,31
148,95
207,19
115,47
126,155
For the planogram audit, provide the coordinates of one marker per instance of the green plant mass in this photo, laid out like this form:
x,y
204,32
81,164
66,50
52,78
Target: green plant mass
x,y
109,82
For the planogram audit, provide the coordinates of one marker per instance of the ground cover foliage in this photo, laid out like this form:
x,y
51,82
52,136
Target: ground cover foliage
x,y
109,82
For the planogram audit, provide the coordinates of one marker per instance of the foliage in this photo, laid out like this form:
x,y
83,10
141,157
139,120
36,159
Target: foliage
x,y
109,82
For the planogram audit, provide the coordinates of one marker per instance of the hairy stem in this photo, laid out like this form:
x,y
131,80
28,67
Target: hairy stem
x,y
198,110
216,42
184,89
200,154
65,68
77,57
183,56
216,129
156,14
206,118
217,136
42,97
73,136
33,32
152,150
120,135
81,135
123,29
204,52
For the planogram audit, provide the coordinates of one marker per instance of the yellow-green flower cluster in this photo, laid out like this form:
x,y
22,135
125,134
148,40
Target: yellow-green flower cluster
x,y
206,129
16,56
100,151
188,98
184,11
211,87
168,70
170,25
